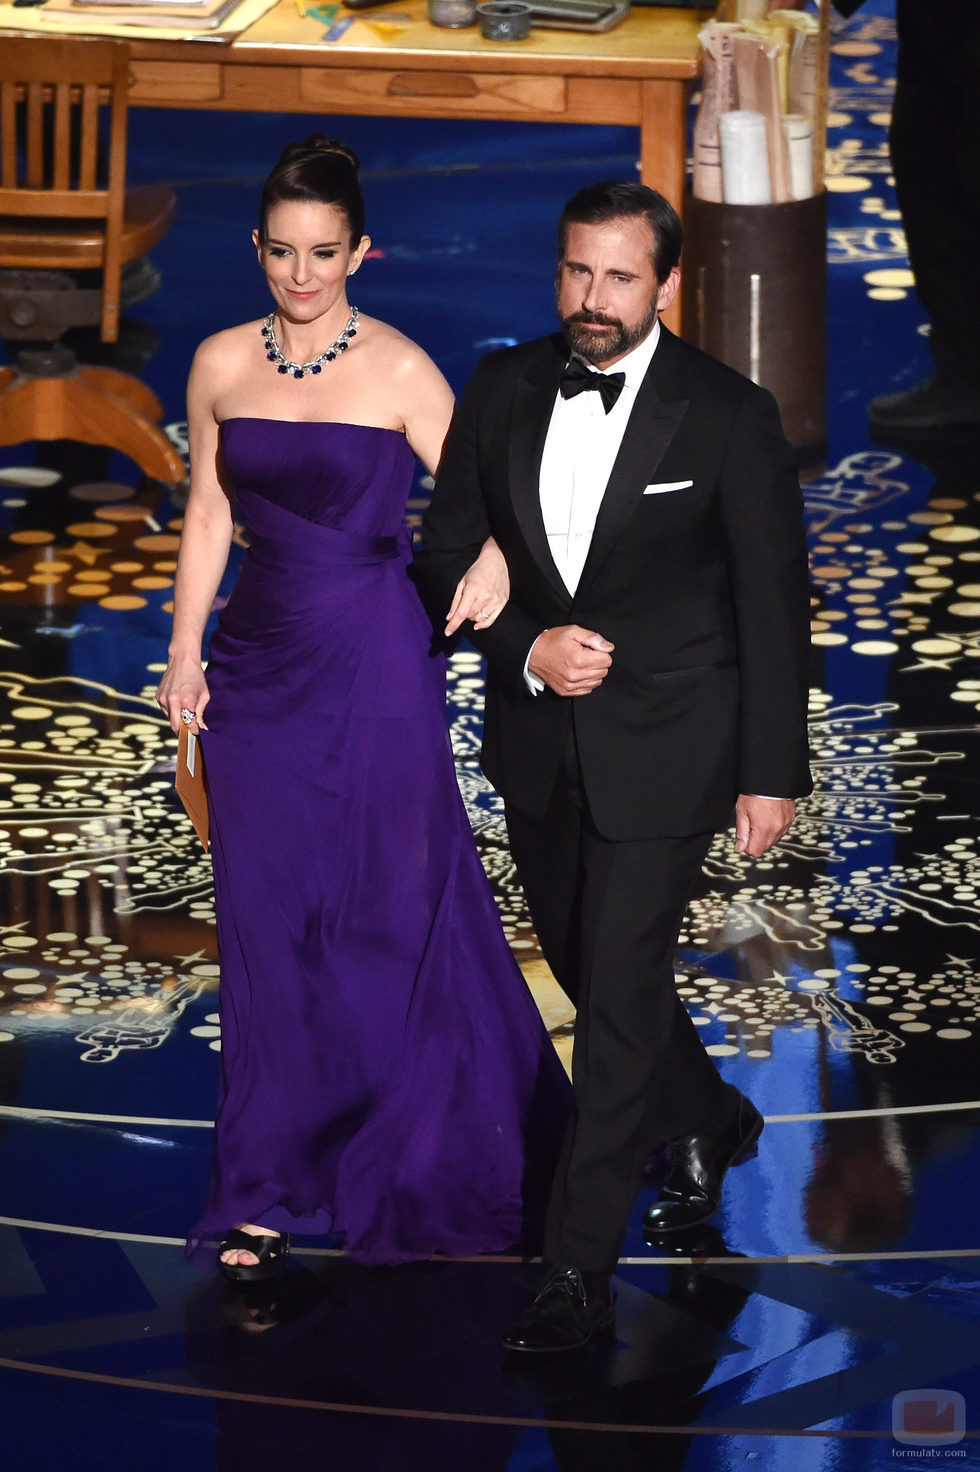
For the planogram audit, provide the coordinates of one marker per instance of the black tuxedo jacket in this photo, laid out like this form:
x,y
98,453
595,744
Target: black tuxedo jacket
x,y
696,572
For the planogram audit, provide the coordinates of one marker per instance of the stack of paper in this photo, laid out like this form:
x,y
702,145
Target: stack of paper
x,y
197,15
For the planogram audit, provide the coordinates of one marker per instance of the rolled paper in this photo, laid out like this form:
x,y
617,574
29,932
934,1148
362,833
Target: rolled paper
x,y
802,31
776,40
757,79
744,158
717,96
799,136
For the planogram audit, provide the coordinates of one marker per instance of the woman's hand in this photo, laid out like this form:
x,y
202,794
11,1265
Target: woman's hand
x,y
183,687
482,591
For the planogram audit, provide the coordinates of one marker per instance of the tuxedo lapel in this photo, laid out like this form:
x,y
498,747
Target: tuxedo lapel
x,y
534,398
651,427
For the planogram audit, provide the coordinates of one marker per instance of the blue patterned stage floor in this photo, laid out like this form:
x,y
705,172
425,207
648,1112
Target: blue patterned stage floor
x,y
838,982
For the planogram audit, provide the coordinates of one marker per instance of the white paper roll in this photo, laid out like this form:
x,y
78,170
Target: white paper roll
x,y
799,135
744,158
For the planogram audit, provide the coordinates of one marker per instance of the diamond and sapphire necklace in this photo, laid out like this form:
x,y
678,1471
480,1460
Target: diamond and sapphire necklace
x,y
315,365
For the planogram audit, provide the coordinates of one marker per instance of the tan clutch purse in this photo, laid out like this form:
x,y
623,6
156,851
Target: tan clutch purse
x,y
191,787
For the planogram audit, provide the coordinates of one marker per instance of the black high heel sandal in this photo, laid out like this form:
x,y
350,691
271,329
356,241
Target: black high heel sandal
x,y
270,1251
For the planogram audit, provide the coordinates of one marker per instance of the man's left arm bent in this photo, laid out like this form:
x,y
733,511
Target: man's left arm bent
x,y
455,528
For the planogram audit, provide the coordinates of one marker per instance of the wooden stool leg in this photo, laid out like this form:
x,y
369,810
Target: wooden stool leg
x,y
125,386
78,407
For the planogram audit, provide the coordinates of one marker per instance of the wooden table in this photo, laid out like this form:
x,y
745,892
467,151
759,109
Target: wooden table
x,y
637,74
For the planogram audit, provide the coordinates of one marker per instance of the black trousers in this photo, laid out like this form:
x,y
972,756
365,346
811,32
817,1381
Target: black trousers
x,y
935,149
607,915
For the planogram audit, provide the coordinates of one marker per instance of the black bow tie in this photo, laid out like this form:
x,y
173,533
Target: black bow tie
x,y
576,378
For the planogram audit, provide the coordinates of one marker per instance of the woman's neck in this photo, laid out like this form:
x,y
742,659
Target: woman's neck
x,y
301,342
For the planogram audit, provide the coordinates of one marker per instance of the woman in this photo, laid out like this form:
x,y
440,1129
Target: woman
x,y
380,1052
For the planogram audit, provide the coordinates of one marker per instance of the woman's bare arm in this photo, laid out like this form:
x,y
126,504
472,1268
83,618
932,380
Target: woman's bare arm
x,y
484,588
204,544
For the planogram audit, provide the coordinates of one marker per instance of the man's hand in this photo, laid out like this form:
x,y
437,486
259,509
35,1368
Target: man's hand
x,y
570,660
760,822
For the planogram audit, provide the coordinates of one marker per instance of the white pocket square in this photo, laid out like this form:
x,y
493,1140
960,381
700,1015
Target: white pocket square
x,y
667,485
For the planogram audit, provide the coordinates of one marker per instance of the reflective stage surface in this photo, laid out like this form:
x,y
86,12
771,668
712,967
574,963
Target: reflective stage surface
x,y
829,1317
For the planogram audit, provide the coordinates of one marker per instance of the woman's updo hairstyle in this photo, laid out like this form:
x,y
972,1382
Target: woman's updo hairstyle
x,y
318,171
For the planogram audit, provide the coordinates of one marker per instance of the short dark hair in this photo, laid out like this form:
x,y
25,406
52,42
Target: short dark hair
x,y
318,171
615,199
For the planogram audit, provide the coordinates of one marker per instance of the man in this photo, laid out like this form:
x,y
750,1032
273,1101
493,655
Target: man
x,y
934,141
649,667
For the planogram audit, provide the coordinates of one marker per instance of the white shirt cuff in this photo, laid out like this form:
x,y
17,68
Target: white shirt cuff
x,y
533,682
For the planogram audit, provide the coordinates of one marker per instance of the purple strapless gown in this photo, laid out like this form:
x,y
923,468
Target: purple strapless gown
x,y
385,1075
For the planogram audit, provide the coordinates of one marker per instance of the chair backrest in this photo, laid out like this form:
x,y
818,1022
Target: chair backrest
x,y
51,94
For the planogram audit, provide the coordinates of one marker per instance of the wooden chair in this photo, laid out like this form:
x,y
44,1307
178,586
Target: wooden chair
x,y
55,218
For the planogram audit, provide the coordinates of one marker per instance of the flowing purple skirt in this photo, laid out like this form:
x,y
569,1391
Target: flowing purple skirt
x,y
385,1075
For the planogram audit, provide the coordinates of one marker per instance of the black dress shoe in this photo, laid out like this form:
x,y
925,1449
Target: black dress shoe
x,y
570,1308
933,404
698,1165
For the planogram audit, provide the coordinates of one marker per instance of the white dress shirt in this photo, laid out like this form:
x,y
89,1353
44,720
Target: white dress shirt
x,y
579,452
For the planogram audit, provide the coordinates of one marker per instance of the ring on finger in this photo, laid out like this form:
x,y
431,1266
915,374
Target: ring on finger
x,y
188,716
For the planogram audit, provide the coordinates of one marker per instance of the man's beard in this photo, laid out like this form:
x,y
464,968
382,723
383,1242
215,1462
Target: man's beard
x,y
599,347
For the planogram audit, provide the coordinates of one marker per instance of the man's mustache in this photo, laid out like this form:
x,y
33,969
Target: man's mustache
x,y
594,319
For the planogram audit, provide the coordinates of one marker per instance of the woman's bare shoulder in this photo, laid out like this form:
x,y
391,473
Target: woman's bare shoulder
x,y
397,352
232,343
221,361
